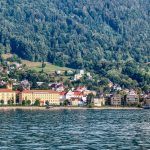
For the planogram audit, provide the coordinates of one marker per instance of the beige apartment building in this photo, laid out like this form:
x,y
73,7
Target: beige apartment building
x,y
7,95
116,100
52,97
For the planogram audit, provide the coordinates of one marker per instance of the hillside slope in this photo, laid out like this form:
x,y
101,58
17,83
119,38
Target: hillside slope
x,y
76,33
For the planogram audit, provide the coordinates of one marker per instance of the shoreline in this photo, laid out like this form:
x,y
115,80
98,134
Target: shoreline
x,y
66,108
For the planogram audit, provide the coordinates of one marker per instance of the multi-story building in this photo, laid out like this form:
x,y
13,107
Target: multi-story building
x,y
99,102
52,97
116,100
147,100
7,96
132,97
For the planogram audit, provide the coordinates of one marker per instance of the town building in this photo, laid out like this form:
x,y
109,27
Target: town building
x,y
7,96
75,101
99,102
132,97
25,85
116,100
87,92
62,96
77,77
147,100
59,87
110,84
117,87
81,72
52,97
81,89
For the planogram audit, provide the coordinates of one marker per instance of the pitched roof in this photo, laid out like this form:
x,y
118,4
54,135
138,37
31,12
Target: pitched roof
x,y
77,93
6,90
62,93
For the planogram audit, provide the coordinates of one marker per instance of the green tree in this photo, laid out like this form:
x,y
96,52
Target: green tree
x,y
90,98
66,102
47,103
28,102
2,102
37,102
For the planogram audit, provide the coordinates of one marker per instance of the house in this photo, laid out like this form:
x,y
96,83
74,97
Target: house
x,y
116,100
58,72
77,77
25,84
81,88
59,87
87,92
70,72
39,83
99,102
81,72
110,84
117,87
69,94
75,94
126,91
62,96
2,83
75,101
132,97
89,76
52,97
147,100
17,65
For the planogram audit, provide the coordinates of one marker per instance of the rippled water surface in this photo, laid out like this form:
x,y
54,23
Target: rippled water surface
x,y
75,130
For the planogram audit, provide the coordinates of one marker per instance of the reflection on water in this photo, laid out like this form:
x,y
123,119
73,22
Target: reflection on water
x,y
75,129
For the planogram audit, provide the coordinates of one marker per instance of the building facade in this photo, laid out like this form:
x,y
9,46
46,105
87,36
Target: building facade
x,y
52,97
116,100
147,100
99,102
7,96
132,98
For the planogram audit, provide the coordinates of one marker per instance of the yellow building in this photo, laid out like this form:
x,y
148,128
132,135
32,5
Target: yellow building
x,y
99,102
7,95
42,95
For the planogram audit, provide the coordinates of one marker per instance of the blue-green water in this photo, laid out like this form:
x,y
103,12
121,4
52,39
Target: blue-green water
x,y
75,130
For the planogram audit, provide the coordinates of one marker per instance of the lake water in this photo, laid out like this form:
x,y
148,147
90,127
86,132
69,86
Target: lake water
x,y
75,130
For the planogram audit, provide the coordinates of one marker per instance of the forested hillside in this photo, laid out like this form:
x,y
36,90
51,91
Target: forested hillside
x,y
93,34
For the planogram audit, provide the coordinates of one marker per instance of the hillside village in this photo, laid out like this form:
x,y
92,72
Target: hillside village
x,y
21,86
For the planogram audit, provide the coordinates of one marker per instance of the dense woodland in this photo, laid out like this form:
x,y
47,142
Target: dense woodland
x,y
110,38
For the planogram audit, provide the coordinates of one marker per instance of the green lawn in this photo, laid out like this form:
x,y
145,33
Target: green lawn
x,y
37,65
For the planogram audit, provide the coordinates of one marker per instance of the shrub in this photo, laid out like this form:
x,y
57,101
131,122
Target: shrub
x,y
37,102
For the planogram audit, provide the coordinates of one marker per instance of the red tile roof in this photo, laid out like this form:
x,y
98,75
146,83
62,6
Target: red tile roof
x,y
62,93
77,93
6,90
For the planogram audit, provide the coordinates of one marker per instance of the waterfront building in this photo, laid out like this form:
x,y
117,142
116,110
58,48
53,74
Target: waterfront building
x,y
75,101
99,102
87,92
147,100
132,97
62,96
116,100
52,97
7,96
